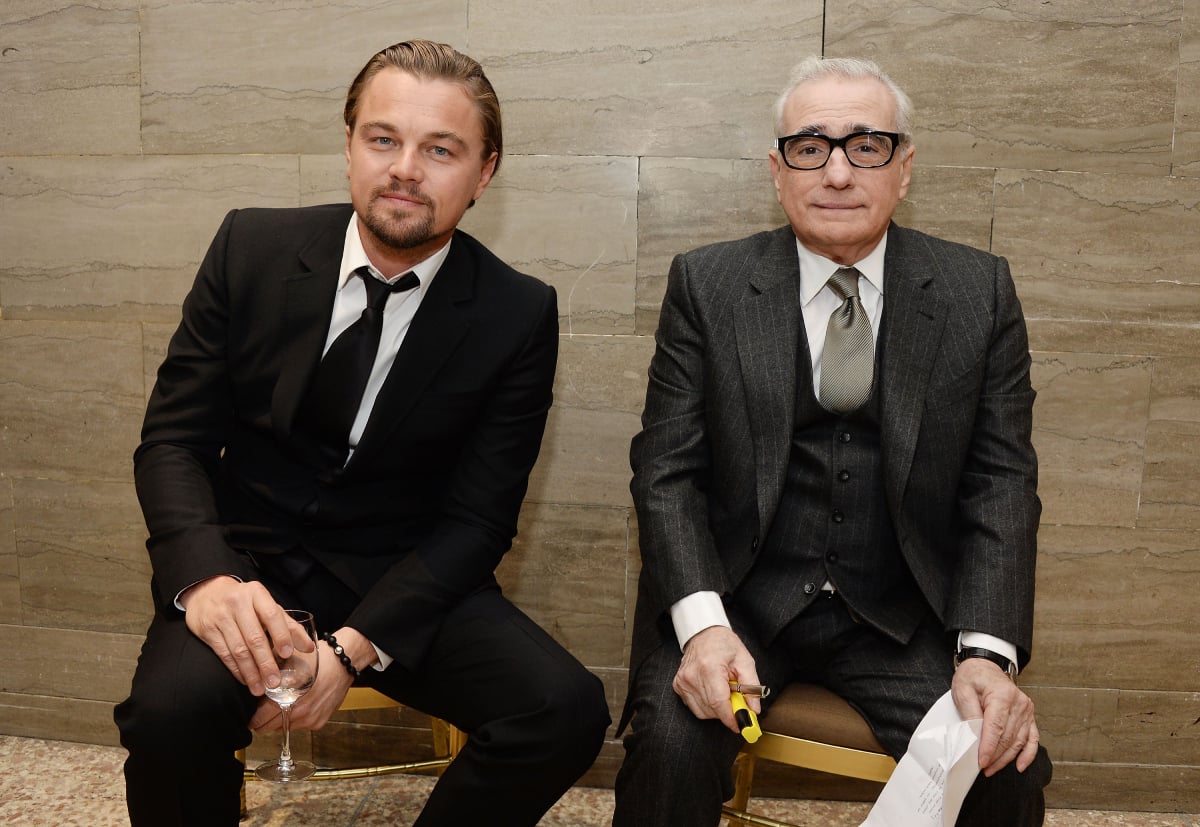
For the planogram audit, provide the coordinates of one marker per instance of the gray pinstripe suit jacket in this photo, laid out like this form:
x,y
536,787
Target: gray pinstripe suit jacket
x,y
959,467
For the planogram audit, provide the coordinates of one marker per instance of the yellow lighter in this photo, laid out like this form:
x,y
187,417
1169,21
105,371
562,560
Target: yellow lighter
x,y
747,721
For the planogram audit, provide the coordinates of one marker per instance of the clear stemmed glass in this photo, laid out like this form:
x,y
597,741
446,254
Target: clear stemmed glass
x,y
296,676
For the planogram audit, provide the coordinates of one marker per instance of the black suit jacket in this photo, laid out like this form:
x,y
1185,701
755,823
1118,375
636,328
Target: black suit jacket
x,y
429,502
959,468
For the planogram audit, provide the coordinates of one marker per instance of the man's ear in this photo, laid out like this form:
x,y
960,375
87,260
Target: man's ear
x,y
777,169
485,175
906,167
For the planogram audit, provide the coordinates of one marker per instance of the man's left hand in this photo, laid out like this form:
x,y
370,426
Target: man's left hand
x,y
981,689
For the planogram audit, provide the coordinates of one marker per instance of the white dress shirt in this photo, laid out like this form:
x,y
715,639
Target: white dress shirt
x,y
350,301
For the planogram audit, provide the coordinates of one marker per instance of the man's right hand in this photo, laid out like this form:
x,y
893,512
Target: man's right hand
x,y
239,621
711,659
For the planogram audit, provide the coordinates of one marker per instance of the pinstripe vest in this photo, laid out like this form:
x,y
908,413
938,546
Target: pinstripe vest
x,y
832,525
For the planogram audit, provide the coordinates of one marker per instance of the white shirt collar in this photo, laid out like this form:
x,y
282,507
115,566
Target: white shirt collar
x,y
815,270
354,256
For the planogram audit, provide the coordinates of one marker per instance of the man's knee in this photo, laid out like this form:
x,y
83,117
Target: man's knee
x,y
677,768
574,712
184,703
1009,798
1031,782
666,736
1029,785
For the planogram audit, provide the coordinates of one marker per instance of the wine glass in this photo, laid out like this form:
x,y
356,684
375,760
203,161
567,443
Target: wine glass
x,y
296,676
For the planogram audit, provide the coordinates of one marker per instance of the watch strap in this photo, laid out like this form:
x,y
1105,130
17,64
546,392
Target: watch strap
x,y
1004,663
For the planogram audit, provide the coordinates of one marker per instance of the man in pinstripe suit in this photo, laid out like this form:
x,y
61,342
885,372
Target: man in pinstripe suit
x,y
785,538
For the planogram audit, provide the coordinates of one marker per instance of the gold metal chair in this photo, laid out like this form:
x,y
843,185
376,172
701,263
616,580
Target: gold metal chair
x,y
812,728
448,741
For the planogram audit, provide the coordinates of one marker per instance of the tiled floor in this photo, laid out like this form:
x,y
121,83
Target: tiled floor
x,y
58,784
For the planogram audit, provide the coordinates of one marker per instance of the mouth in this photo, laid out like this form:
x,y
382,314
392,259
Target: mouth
x,y
403,198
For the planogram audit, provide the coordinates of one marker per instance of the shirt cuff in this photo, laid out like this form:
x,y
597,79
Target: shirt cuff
x,y
385,660
695,613
984,641
179,605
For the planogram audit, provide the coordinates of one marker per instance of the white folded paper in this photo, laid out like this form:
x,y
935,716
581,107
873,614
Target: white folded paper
x,y
931,780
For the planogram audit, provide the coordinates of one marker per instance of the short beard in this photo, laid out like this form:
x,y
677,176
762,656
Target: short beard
x,y
403,235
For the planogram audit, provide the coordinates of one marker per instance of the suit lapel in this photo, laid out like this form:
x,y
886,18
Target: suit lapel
x,y
913,321
306,311
435,332
767,324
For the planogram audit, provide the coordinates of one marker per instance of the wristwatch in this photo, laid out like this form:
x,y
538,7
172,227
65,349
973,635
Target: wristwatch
x,y
1004,663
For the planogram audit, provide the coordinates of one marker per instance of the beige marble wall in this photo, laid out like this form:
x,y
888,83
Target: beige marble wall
x,y
1064,135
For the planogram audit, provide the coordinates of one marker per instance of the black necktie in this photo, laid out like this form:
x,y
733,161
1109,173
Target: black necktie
x,y
336,392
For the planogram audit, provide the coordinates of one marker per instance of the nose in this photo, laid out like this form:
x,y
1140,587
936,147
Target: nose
x,y
838,172
405,165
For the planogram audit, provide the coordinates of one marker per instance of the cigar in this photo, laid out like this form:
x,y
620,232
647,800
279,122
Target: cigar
x,y
750,690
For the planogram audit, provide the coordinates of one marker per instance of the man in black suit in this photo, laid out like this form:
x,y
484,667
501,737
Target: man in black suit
x,y
835,481
265,486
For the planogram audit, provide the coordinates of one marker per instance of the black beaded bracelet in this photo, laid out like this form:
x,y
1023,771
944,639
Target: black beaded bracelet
x,y
341,654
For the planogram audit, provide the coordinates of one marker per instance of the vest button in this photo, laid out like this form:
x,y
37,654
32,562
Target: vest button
x,y
843,475
838,517
809,588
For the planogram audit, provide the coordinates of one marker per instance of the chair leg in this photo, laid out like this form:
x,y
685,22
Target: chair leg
x,y
458,740
442,734
743,768
243,812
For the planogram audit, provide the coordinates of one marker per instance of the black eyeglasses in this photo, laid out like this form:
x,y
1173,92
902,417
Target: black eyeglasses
x,y
866,150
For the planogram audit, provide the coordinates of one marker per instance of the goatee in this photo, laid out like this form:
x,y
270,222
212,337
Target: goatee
x,y
403,233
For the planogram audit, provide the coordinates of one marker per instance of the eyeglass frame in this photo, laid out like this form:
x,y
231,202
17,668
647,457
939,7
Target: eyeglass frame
x,y
897,139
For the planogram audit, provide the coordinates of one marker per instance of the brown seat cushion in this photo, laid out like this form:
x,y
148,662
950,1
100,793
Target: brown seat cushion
x,y
813,712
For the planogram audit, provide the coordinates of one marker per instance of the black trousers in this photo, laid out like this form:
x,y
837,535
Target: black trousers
x,y
534,715
677,768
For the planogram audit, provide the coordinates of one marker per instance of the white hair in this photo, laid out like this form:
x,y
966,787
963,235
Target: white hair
x,y
848,68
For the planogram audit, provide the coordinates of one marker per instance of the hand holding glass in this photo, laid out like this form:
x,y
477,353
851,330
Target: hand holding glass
x,y
296,676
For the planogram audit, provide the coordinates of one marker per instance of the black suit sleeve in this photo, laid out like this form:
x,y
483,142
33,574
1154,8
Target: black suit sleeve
x,y
177,463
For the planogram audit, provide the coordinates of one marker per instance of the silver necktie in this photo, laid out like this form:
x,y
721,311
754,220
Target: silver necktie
x,y
848,360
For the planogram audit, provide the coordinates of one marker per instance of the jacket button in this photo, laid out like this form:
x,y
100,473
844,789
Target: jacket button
x,y
832,557
843,475
838,517
809,588
844,436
